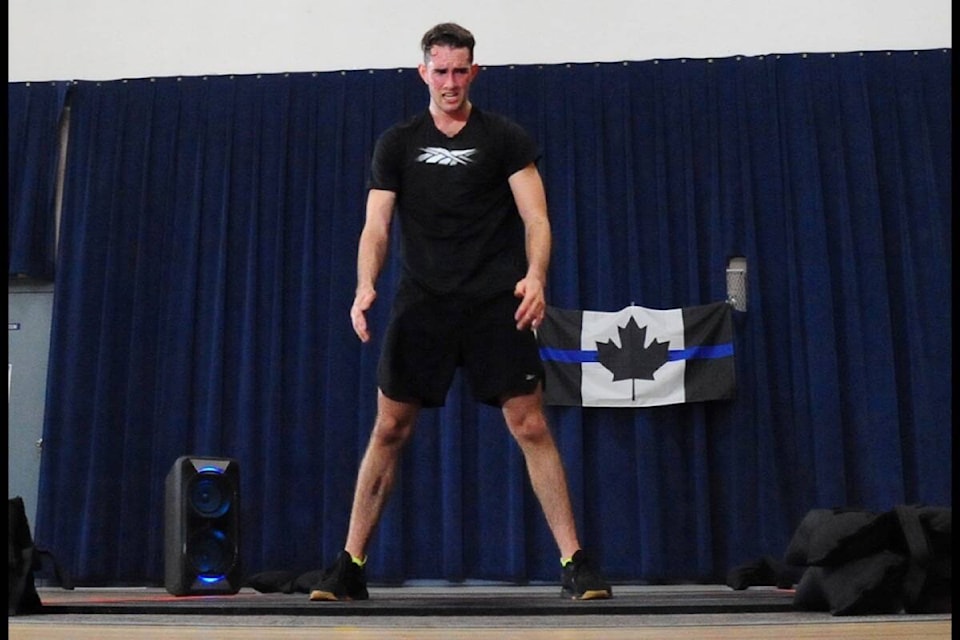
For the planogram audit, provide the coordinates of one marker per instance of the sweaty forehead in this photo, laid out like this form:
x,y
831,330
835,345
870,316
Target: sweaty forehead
x,y
445,57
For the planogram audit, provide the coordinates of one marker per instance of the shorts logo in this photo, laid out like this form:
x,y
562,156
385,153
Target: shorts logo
x,y
446,157
530,376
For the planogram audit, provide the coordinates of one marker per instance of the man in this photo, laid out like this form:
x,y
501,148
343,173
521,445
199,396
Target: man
x,y
475,240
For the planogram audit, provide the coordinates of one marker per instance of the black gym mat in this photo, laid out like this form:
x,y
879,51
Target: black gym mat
x,y
455,601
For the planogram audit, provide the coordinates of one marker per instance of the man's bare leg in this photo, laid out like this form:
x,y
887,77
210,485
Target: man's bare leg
x,y
378,470
528,425
343,580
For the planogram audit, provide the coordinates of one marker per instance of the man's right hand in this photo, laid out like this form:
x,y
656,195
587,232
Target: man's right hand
x,y
361,303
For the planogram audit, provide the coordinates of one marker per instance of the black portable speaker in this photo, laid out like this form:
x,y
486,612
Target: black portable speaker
x,y
202,527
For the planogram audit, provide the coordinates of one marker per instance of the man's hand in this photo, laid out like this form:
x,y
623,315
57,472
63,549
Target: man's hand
x,y
361,303
533,303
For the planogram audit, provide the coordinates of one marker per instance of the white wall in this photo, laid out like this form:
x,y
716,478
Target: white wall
x,y
113,39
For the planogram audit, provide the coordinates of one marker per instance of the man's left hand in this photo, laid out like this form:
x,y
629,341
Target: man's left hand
x,y
533,303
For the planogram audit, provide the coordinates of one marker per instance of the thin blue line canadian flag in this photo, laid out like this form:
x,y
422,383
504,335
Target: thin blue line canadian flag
x,y
638,357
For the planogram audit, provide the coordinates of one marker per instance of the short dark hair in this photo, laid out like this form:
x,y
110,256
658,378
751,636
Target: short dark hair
x,y
447,34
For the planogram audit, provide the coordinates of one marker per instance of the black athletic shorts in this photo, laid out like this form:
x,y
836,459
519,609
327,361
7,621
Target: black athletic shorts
x,y
428,337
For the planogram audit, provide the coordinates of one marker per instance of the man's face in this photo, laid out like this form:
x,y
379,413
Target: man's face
x,y
448,74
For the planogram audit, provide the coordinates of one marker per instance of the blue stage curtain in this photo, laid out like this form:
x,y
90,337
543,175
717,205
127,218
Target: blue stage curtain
x,y
34,111
208,264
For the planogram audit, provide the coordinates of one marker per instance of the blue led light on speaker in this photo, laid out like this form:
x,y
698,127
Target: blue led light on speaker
x,y
209,469
210,555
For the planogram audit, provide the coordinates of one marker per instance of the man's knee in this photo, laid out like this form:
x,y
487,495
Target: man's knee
x,y
391,431
530,427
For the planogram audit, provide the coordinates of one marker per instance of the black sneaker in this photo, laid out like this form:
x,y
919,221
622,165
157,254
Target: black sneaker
x,y
581,581
343,580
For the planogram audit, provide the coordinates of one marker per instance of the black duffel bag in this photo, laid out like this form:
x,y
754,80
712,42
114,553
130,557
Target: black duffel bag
x,y
860,562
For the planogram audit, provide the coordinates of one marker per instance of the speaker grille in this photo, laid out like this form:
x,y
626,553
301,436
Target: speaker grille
x,y
210,493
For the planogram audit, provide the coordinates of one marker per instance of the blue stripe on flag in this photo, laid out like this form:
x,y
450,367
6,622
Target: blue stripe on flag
x,y
567,355
702,351
549,354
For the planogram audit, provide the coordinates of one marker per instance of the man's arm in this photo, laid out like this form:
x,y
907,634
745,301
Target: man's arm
x,y
371,255
531,199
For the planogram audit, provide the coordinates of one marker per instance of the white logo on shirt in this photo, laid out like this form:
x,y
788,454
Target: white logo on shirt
x,y
446,157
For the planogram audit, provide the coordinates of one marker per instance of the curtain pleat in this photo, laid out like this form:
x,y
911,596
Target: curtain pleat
x,y
35,111
208,262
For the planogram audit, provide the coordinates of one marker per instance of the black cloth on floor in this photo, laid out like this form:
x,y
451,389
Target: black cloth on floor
x,y
285,581
767,571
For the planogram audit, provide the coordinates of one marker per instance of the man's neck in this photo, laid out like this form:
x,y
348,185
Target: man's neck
x,y
450,123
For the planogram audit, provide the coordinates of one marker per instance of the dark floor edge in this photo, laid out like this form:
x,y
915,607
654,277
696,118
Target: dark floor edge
x,y
383,610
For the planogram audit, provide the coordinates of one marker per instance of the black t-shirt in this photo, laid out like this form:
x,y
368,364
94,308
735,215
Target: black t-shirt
x,y
460,228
